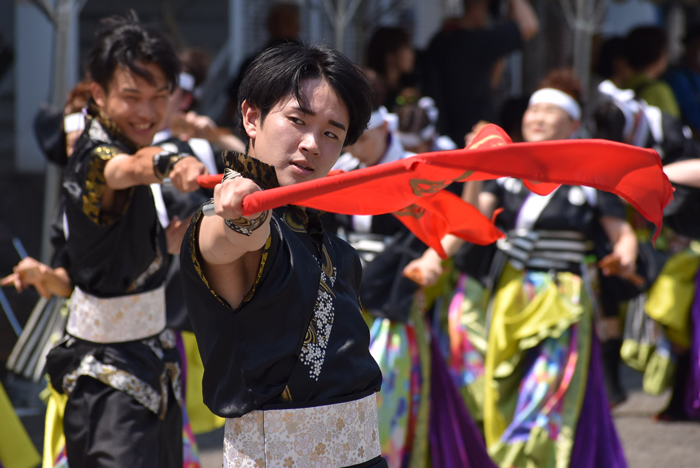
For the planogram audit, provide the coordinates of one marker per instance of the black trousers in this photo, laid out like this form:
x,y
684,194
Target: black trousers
x,y
106,428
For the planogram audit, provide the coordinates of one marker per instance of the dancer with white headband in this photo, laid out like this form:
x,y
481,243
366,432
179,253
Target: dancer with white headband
x,y
551,115
522,340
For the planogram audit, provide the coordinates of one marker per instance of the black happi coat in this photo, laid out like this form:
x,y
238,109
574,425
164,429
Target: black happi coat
x,y
571,208
298,338
112,255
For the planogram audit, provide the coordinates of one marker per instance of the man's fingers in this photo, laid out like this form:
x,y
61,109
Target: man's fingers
x,y
9,279
13,280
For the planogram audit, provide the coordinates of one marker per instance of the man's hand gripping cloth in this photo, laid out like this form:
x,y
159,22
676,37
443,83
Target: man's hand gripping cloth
x,y
411,188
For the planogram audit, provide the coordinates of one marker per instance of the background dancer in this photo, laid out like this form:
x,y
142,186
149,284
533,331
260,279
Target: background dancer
x,y
539,359
273,298
121,377
50,281
659,332
418,121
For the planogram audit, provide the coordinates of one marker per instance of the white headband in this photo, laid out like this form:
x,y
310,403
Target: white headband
x,y
558,98
74,122
186,82
378,118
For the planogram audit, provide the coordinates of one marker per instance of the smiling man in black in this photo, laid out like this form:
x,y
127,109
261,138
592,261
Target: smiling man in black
x,y
118,364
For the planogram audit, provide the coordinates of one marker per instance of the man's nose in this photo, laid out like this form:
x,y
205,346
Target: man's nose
x,y
309,144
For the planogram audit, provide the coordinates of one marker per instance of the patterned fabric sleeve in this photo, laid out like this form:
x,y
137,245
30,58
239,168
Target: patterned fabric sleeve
x,y
94,185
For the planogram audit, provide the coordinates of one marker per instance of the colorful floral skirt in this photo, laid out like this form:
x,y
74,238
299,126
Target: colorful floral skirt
x,y
402,352
537,374
423,421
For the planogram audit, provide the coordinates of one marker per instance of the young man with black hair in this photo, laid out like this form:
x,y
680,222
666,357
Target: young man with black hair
x,y
118,366
273,299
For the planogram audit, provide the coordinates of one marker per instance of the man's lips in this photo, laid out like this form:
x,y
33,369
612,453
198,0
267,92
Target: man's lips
x,y
302,166
144,127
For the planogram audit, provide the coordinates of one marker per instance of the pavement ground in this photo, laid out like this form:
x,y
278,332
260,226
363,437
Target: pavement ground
x,y
647,444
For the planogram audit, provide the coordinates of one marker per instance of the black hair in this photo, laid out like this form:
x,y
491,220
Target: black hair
x,y
609,121
277,74
123,41
511,116
412,118
644,46
385,41
378,86
611,51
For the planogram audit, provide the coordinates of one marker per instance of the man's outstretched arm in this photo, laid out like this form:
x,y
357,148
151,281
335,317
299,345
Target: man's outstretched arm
x,y
230,245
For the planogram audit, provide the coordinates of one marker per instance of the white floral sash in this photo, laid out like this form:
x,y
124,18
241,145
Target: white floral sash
x,y
117,319
329,436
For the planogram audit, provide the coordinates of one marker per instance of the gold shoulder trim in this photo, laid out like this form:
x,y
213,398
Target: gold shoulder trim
x,y
95,183
198,267
261,268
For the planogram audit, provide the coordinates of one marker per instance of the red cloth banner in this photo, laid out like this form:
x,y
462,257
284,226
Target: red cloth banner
x,y
633,173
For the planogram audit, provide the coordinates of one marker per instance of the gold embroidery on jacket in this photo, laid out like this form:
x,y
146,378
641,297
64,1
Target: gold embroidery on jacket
x,y
198,267
95,184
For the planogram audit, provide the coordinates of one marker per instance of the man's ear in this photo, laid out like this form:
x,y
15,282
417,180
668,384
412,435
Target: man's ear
x,y
251,119
98,94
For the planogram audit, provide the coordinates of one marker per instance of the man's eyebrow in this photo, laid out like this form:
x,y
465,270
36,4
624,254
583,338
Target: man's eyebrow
x,y
337,124
310,112
304,110
135,90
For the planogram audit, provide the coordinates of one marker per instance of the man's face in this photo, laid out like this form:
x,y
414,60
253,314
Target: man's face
x,y
302,144
136,106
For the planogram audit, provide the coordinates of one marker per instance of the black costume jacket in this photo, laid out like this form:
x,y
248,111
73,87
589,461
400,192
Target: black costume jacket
x,y
111,255
298,337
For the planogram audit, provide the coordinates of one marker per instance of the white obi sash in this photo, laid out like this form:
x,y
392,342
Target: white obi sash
x,y
116,319
342,434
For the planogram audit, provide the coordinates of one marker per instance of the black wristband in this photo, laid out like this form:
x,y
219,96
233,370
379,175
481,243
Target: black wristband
x,y
164,162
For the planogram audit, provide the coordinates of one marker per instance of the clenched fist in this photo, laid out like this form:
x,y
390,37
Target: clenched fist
x,y
184,174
